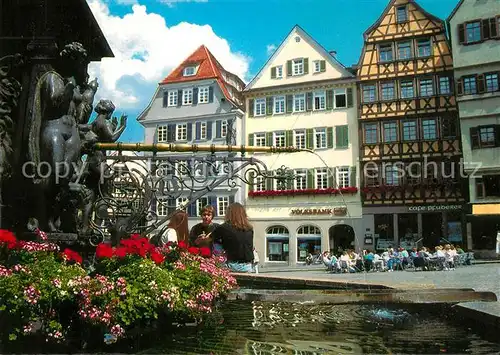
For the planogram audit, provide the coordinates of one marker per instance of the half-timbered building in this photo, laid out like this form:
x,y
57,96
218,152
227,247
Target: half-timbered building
x,y
410,151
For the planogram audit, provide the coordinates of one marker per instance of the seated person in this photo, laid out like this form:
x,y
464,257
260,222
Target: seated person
x,y
236,235
201,233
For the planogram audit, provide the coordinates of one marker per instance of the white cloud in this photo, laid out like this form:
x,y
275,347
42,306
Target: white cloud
x,y
146,50
170,3
126,2
270,48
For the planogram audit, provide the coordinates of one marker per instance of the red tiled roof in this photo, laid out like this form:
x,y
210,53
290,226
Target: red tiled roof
x,y
208,68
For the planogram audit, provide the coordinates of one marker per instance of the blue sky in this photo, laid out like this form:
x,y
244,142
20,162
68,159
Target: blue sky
x,y
249,26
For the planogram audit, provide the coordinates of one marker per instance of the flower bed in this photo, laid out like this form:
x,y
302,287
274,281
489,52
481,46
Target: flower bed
x,y
47,292
328,191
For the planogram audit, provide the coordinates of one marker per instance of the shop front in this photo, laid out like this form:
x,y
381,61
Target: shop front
x,y
288,241
414,226
484,224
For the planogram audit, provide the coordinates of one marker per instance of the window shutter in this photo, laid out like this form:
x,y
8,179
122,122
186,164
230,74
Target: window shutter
x,y
179,98
460,87
195,96
251,140
198,131
231,199
309,101
289,103
218,129
270,182
191,210
352,176
289,184
212,200
288,68
310,179
346,136
165,98
250,107
289,138
341,137
273,73
170,133
493,28
329,99
331,182
329,137
497,135
461,33
306,65
485,31
154,205
209,130
474,137
189,131
210,94
269,139
350,101
310,138
269,105
322,65
251,180
480,83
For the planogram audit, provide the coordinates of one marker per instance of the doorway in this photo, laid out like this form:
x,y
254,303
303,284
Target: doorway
x,y
341,237
432,229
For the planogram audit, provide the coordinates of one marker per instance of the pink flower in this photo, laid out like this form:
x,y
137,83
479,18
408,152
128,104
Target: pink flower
x,y
31,295
117,330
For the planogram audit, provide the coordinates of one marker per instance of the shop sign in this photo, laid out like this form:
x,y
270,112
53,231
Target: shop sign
x,y
337,211
435,208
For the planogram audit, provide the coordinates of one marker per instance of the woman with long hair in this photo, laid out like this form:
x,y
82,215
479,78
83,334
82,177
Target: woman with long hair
x,y
236,235
177,229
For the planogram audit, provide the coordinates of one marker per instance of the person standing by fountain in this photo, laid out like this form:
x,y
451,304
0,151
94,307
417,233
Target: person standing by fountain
x,y
236,235
177,229
201,233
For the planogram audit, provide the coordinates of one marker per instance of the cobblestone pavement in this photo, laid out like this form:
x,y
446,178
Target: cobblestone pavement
x,y
483,277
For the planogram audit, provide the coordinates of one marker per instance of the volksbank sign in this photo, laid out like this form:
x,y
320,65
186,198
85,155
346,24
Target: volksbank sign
x,y
435,208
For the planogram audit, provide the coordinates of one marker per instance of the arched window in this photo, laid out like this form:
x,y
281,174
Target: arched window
x,y
277,243
308,241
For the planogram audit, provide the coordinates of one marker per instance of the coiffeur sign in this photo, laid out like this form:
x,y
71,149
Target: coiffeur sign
x,y
337,211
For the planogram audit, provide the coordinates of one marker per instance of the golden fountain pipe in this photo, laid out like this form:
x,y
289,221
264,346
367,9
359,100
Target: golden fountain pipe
x,y
163,147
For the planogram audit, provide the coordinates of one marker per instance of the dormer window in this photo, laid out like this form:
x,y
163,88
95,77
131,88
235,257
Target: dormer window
x,y
189,71
298,66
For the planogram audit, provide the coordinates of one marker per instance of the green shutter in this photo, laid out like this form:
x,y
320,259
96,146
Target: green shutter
x,y
352,176
329,137
269,182
269,105
289,103
250,140
288,68
334,178
341,137
309,101
273,73
310,138
251,180
250,107
289,138
331,182
322,65
329,99
269,139
289,184
349,97
310,179
306,65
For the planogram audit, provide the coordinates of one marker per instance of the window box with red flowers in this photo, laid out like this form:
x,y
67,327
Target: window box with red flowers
x,y
303,192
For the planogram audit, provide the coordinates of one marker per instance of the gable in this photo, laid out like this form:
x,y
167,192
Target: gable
x,y
418,21
298,45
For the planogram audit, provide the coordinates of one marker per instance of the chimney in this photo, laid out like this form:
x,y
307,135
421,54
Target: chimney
x,y
333,53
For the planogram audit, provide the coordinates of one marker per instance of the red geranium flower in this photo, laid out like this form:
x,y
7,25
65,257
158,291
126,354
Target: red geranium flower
x,y
71,255
104,250
158,258
8,238
120,252
182,244
194,250
205,252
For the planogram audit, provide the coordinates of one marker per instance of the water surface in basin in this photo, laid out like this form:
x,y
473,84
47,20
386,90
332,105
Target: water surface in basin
x,y
284,328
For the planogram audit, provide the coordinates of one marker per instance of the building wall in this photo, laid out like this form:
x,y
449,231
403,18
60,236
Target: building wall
x,y
477,54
